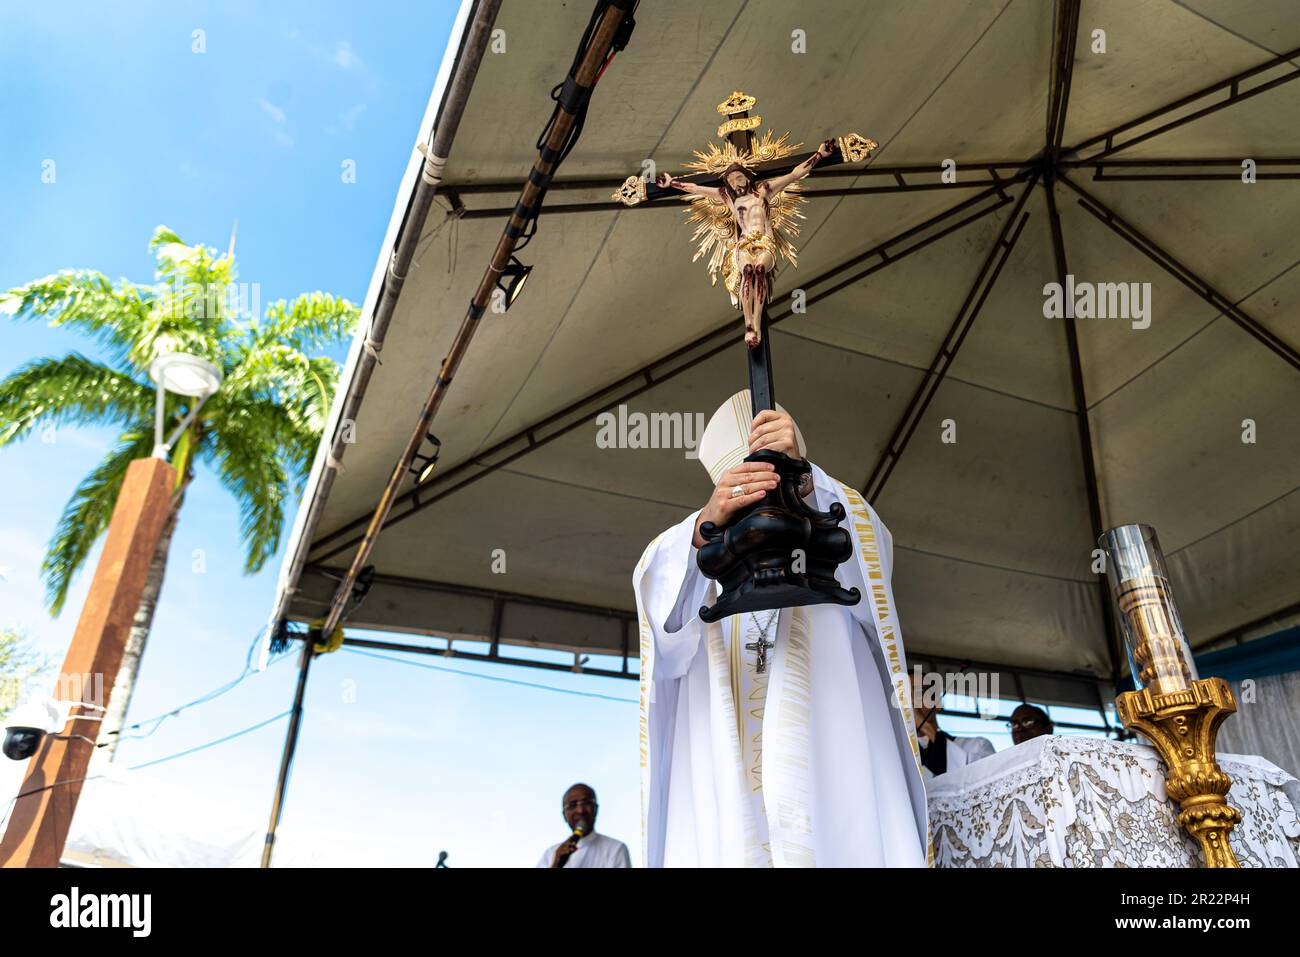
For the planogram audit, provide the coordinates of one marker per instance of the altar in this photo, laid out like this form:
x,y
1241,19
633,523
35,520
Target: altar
x,y
1058,801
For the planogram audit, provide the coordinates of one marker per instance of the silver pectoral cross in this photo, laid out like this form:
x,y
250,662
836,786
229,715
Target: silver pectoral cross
x,y
760,646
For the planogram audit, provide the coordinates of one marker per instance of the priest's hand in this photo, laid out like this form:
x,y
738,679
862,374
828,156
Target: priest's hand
x,y
754,479
774,430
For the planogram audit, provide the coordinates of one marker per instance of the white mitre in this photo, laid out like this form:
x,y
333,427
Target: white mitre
x,y
725,442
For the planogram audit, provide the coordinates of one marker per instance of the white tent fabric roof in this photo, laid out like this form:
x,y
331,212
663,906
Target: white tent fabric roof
x,y
131,819
992,533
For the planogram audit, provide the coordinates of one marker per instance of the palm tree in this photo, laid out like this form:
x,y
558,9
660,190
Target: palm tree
x,y
258,433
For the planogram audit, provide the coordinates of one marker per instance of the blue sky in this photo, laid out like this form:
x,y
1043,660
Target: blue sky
x,y
396,762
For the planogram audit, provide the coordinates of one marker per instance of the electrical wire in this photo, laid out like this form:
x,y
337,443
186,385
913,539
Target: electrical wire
x,y
211,744
498,678
171,757
54,784
579,119
202,699
73,737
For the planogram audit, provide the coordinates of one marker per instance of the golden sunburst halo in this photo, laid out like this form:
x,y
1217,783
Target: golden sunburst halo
x,y
715,228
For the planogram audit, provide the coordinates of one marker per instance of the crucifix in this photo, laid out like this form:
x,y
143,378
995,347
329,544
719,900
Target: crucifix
x,y
745,198
759,646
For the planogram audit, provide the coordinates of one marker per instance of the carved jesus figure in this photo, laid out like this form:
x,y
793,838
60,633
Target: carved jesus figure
x,y
749,199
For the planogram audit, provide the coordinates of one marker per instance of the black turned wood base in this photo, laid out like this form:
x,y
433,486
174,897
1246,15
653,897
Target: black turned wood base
x,y
754,557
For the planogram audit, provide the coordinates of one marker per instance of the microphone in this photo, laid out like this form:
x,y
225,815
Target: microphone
x,y
577,835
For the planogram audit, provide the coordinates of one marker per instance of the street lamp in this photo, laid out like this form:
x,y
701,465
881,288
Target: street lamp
x,y
185,375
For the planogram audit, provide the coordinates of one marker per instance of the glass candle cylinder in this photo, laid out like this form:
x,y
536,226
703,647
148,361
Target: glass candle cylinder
x,y
1158,652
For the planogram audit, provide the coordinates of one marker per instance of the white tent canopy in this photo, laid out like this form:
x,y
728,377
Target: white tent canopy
x,y
133,819
993,533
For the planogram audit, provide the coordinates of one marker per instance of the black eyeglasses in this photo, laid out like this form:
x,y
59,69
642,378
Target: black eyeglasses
x,y
1024,723
572,805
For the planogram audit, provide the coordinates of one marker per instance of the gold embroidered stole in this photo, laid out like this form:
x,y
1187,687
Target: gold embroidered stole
x,y
863,521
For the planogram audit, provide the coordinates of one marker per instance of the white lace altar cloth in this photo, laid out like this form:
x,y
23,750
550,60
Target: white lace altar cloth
x,y
1092,802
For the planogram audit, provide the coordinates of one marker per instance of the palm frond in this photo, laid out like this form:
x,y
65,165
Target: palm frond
x,y
259,432
87,301
178,261
312,320
267,422
318,396
86,516
248,460
73,390
304,386
189,310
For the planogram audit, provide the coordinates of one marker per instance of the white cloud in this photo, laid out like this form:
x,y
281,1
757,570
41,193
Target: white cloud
x,y
347,120
271,110
23,593
344,57
278,118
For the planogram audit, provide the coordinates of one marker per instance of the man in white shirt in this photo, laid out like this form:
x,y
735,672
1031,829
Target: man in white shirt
x,y
940,751
584,848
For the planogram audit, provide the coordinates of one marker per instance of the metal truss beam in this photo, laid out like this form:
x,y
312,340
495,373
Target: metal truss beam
x,y
1067,18
1186,170
951,345
1110,141
1184,274
704,347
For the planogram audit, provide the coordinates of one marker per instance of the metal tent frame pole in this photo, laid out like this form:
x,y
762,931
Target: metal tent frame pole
x,y
610,18
290,749
646,377
1231,84
1184,274
1053,164
475,40
985,280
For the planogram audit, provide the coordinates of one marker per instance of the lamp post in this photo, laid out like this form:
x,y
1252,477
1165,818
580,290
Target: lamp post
x,y
185,375
44,808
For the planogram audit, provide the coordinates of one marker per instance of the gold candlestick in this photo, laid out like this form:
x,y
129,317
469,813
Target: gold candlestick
x,y
1177,711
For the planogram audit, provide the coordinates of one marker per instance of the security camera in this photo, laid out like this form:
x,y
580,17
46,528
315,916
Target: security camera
x,y
30,723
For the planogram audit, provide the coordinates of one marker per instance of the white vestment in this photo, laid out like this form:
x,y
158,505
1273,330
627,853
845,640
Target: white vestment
x,y
819,764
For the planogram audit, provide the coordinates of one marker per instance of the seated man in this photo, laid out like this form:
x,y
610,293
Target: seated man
x,y
1027,722
940,751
